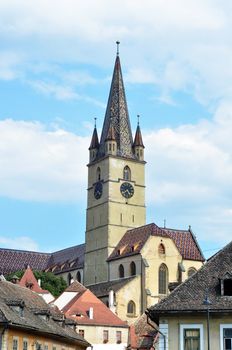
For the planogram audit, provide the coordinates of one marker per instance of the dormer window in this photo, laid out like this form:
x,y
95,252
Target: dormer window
x,y
17,306
226,285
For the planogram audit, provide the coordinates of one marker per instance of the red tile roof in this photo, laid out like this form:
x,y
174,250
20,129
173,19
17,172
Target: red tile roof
x,y
133,241
29,281
81,304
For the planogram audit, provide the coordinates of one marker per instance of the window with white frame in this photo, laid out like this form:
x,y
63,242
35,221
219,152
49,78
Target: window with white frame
x,y
25,344
226,336
15,343
191,337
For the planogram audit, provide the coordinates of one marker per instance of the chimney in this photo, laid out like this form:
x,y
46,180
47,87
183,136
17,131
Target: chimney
x,y
39,282
91,313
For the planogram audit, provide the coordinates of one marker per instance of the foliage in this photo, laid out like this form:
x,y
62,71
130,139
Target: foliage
x,y
54,284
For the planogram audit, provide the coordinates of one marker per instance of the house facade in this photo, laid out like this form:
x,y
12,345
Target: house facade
x,y
26,322
95,322
197,315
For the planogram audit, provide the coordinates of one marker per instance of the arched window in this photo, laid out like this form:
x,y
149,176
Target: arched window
x,y
78,276
121,271
191,271
163,279
126,173
161,249
131,308
98,174
132,268
69,279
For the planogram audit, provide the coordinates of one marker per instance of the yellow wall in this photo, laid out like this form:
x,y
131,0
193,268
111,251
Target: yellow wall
x,y
215,321
94,334
109,217
32,338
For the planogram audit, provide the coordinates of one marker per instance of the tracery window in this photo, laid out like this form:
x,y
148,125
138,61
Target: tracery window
x,y
163,279
126,173
121,271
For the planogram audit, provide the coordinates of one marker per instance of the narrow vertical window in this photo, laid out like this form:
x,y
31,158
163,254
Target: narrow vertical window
x,y
132,268
82,332
126,173
105,336
131,308
98,174
121,271
25,344
161,249
118,337
78,276
163,279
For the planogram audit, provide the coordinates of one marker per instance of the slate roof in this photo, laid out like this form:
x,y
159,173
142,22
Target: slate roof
x,y
133,241
33,306
71,258
117,115
103,289
189,296
78,308
12,260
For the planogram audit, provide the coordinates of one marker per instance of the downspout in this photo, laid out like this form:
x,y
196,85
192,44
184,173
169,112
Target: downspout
x,y
5,324
141,286
150,324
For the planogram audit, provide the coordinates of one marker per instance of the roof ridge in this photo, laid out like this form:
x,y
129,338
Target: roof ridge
x,y
24,251
74,246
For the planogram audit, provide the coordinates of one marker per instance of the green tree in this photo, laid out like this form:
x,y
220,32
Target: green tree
x,y
54,284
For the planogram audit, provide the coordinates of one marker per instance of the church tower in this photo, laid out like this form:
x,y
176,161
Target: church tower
x,y
116,183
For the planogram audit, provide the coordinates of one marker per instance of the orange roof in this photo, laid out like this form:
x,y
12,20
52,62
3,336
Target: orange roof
x,y
29,281
78,308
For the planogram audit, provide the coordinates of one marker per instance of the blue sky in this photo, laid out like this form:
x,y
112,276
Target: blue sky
x,y
56,62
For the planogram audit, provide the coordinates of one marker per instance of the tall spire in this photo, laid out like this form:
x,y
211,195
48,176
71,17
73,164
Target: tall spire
x,y
117,115
94,142
138,141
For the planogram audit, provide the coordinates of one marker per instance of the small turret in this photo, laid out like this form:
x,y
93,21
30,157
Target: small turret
x,y
138,145
110,142
94,145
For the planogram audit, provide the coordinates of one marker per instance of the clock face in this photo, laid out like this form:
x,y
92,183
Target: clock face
x,y
98,190
127,190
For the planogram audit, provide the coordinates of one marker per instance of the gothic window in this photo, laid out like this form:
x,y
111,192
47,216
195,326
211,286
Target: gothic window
x,y
132,269
191,271
163,279
69,278
121,271
78,276
161,249
98,177
131,308
126,173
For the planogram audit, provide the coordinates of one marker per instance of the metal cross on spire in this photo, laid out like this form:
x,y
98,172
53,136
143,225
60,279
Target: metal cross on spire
x,y
118,43
95,122
138,116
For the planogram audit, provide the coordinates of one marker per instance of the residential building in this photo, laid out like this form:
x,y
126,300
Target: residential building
x,y
26,322
197,315
100,326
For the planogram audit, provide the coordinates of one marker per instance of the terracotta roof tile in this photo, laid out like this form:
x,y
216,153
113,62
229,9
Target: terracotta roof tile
x,y
133,241
28,280
190,294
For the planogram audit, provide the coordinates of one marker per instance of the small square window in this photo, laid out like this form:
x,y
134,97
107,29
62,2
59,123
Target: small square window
x,y
82,333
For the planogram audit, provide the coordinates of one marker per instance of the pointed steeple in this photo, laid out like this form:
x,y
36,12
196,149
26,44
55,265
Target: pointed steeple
x,y
138,141
94,142
94,145
117,115
138,145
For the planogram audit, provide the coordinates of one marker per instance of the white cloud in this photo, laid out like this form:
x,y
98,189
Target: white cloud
x,y
179,45
40,164
22,242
